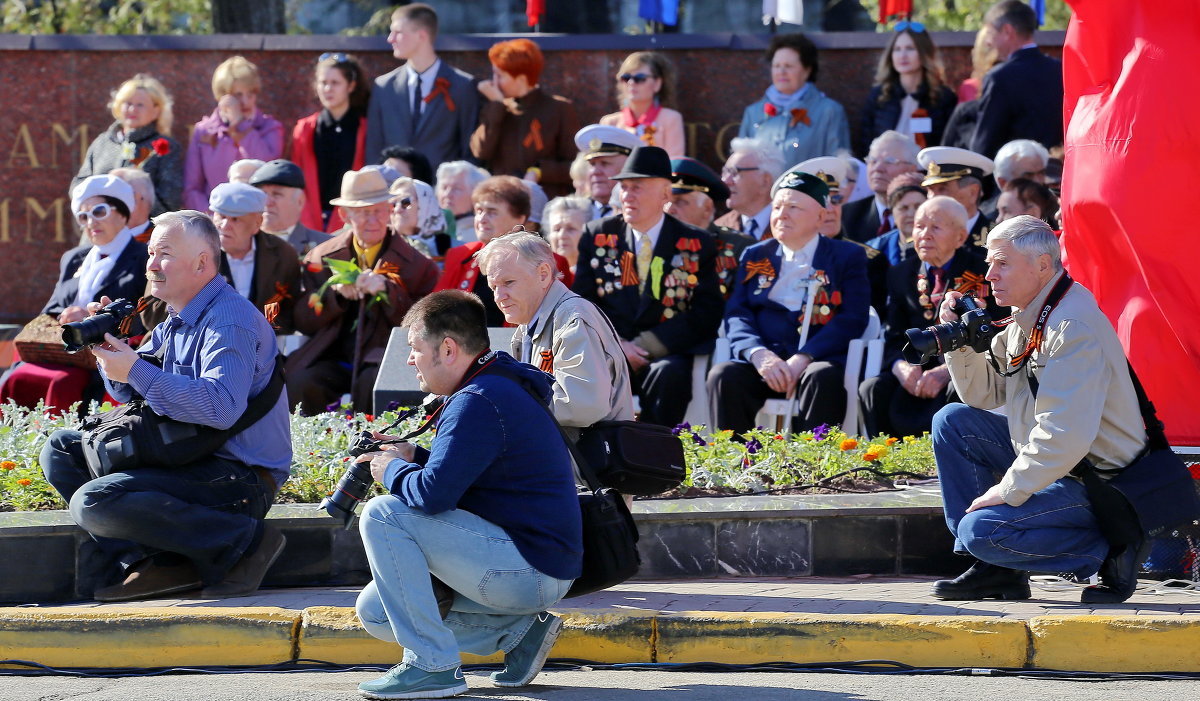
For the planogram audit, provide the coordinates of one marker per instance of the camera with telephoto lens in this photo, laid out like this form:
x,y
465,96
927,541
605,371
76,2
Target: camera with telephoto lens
x,y
974,328
78,335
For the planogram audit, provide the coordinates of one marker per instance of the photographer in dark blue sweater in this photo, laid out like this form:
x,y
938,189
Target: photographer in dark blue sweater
x,y
490,510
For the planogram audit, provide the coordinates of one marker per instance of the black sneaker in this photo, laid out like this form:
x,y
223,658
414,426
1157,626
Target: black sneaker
x,y
984,581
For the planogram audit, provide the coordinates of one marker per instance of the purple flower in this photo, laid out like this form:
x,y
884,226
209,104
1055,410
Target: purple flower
x,y
753,446
820,432
698,440
685,426
333,407
392,405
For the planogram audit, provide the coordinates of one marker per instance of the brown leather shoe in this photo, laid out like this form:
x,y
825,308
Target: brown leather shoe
x,y
147,580
248,573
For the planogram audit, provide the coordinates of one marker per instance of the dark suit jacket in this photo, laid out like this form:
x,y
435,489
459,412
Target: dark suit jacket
x,y
304,239
730,245
443,134
1022,98
687,253
860,219
878,117
977,236
275,263
904,307
127,278
753,320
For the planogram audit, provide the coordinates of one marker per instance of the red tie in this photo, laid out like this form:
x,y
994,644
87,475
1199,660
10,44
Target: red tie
x,y
884,225
939,285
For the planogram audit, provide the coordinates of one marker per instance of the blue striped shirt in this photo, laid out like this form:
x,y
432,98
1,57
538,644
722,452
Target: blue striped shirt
x,y
220,352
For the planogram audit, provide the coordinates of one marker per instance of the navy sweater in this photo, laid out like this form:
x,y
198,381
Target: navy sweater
x,y
498,455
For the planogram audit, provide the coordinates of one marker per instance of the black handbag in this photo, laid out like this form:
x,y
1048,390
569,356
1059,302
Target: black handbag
x,y
633,457
134,436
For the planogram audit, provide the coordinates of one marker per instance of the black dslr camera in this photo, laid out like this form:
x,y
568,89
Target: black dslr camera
x,y
78,335
974,328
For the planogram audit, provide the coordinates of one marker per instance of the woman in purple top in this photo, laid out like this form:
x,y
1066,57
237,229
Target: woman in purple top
x,y
235,130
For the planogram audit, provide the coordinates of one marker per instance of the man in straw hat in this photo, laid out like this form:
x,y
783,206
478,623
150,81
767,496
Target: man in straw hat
x,y
350,323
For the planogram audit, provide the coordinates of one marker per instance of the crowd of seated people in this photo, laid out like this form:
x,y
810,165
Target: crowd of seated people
x,y
411,175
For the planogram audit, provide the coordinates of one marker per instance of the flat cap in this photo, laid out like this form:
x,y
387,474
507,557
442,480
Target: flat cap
x,y
278,172
237,199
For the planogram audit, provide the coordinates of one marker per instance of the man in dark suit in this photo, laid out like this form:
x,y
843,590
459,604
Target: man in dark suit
x,y
696,193
426,103
656,279
959,174
800,299
283,181
262,267
752,166
903,398
1022,98
891,154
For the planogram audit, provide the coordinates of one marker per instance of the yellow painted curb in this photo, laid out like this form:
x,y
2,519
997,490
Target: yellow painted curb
x,y
148,637
1116,643
334,634
922,641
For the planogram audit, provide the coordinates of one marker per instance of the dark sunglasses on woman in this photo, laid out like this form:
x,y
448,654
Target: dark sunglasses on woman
x,y
638,78
98,212
404,203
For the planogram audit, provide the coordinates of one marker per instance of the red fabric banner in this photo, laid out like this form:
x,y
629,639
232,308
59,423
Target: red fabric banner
x,y
894,8
534,9
1130,181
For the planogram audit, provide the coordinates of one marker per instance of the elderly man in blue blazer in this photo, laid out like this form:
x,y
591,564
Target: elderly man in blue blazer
x,y
766,315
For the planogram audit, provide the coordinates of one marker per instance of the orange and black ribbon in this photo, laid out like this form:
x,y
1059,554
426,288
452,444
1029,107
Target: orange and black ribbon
x,y
271,308
629,276
648,134
799,115
546,363
441,86
127,323
759,267
534,138
390,271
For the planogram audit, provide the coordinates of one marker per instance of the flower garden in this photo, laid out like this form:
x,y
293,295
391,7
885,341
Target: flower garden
x,y
762,461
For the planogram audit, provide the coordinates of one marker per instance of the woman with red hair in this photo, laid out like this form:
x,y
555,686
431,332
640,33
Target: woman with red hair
x,y
522,130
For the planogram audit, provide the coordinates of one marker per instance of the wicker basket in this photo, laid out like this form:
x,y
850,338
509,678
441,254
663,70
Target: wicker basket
x,y
41,342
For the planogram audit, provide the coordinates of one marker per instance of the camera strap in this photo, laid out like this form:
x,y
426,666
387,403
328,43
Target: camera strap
x,y
1038,334
481,363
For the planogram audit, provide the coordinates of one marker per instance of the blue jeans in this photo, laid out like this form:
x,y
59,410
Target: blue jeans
x,y
497,593
209,511
1053,531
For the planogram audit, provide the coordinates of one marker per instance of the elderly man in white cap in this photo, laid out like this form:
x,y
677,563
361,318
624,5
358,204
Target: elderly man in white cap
x,y
350,323
959,174
262,267
605,148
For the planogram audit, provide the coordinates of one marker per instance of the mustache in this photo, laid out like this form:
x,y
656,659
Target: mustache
x,y
155,277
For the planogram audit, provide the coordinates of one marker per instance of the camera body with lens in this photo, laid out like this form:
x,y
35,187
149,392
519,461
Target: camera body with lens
x,y
356,481
974,329
78,335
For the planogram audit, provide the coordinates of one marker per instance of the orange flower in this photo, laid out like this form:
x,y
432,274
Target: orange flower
x,y
24,482
314,302
874,453
778,436
849,444
892,441
8,465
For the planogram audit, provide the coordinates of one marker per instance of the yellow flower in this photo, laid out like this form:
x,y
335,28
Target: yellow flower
x,y
910,439
24,482
874,453
849,444
893,441
8,465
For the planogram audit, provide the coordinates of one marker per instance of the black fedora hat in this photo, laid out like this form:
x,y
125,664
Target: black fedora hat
x,y
646,162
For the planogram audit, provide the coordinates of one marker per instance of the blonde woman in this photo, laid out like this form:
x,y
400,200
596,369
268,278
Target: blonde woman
x,y
138,138
236,129
646,87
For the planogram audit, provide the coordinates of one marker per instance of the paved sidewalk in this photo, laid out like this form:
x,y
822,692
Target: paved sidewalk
x,y
806,620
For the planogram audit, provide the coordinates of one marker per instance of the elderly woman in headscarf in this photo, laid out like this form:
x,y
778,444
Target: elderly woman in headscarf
x,y
417,216
110,265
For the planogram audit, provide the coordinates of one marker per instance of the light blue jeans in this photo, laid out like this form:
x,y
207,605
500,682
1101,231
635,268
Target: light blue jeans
x,y
497,591
1053,531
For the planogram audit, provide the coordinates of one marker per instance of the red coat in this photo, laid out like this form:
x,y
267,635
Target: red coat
x,y
304,156
460,265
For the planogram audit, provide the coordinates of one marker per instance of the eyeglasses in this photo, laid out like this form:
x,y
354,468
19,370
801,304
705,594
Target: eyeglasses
x,y
886,160
910,26
337,57
638,78
99,212
836,198
734,172
404,203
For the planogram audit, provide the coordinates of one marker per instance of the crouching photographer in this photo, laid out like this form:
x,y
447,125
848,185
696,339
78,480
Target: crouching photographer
x,y
490,510
1030,492
176,516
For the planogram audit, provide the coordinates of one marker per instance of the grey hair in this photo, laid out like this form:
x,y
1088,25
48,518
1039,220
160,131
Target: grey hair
x,y
1008,154
473,173
1031,237
949,205
892,136
770,159
139,180
529,247
566,205
193,223
237,165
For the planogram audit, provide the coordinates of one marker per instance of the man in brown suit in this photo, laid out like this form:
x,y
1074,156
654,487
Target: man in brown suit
x,y
350,323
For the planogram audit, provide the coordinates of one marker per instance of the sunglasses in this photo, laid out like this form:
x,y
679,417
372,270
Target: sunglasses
x,y
835,198
404,203
638,78
337,57
735,172
99,212
910,26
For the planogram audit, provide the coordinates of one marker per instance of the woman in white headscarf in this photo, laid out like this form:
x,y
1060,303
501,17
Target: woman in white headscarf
x,y
416,214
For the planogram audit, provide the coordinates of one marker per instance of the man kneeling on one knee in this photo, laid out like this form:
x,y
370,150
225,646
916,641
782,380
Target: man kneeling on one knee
x,y
490,510
1061,373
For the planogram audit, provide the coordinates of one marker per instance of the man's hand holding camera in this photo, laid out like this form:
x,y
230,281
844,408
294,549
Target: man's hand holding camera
x,y
115,356
946,313
379,460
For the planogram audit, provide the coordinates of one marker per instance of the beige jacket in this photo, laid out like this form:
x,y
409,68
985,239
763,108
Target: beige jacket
x,y
574,342
1085,407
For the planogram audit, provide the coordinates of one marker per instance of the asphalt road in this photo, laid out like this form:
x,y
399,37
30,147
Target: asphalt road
x,y
599,686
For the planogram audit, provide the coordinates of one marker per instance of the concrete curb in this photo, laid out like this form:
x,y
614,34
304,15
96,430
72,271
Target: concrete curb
x,y
171,636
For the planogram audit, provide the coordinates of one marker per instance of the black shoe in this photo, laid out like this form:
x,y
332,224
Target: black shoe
x,y
1118,575
248,573
984,581
147,580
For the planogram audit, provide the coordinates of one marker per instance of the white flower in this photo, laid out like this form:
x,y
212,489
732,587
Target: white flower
x,y
128,150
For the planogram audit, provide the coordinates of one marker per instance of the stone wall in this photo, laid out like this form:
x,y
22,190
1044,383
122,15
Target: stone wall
x,y
57,87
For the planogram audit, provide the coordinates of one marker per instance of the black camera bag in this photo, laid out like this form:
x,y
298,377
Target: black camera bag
x,y
133,435
633,457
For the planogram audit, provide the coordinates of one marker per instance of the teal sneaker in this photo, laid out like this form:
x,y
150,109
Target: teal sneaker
x,y
404,682
523,662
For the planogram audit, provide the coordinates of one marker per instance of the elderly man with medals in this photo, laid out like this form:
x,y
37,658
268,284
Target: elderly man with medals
x,y
796,274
